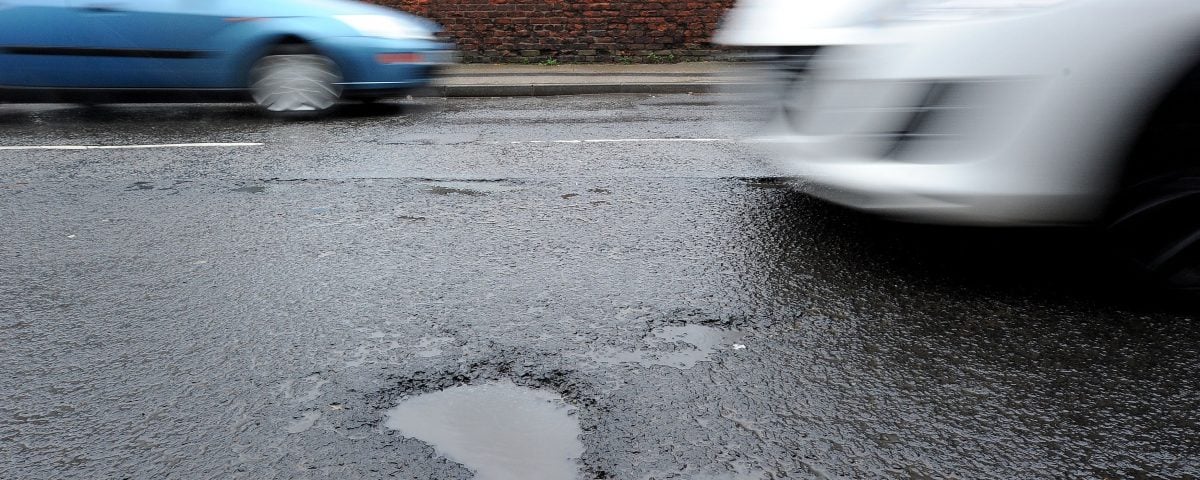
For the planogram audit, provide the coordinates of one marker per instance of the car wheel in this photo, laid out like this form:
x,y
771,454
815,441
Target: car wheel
x,y
286,82
1154,219
1155,226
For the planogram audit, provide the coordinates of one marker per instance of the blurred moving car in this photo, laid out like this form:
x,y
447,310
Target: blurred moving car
x,y
1006,112
768,25
786,35
286,55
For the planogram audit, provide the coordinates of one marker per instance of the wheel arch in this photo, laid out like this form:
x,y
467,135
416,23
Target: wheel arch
x,y
265,45
1175,98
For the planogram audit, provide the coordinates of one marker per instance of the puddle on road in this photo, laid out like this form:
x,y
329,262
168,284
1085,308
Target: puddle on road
x,y
680,346
499,430
250,189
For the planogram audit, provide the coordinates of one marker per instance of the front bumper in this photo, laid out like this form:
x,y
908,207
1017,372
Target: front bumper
x,y
946,124
960,193
376,66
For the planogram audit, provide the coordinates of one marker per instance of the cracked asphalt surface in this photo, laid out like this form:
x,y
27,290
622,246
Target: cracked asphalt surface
x,y
252,312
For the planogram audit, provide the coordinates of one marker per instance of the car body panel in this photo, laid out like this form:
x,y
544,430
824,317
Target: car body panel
x,y
1055,97
38,24
194,45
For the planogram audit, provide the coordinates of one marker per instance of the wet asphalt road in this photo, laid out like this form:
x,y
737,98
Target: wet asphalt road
x,y
253,312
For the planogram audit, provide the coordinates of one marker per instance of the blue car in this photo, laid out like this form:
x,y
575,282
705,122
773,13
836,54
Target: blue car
x,y
285,55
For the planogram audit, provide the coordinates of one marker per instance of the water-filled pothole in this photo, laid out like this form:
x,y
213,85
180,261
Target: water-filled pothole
x,y
499,430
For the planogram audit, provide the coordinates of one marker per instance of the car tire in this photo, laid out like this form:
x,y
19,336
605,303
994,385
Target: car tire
x,y
1153,221
295,80
1154,227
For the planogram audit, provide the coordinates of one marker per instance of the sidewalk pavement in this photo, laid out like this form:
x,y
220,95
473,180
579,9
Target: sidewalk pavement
x,y
503,80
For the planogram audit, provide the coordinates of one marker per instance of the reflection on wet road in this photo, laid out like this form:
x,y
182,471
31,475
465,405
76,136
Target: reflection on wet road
x,y
498,430
257,313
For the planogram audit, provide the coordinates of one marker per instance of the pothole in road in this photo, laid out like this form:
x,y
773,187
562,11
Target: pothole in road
x,y
679,346
171,188
250,189
767,182
435,139
468,188
498,429
493,383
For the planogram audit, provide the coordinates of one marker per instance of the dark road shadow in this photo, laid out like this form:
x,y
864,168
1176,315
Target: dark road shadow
x,y
57,115
1055,265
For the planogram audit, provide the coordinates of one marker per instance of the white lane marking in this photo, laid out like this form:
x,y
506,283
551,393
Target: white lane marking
x,y
119,147
631,140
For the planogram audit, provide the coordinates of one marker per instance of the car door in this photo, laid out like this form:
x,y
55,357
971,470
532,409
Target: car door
x,y
154,43
38,43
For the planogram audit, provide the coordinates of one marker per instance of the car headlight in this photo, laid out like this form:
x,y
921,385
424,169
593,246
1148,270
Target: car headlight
x,y
384,26
952,10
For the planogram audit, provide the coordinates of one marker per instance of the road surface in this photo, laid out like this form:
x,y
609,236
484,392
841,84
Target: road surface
x,y
611,286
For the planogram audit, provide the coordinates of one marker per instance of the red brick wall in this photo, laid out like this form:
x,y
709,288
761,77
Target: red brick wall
x,y
575,30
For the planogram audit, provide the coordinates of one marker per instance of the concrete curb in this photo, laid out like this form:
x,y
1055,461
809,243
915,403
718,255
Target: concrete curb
x,y
552,89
